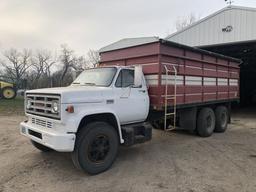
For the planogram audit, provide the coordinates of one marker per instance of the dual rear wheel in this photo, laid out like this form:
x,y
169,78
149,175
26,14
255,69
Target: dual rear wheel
x,y
209,120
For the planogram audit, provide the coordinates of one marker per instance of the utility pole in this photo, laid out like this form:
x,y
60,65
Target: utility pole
x,y
229,2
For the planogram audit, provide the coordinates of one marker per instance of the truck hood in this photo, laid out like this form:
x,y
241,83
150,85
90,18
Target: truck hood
x,y
76,94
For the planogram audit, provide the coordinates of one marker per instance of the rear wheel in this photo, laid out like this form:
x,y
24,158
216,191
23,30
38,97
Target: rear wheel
x,y
41,147
158,124
205,122
96,147
8,93
221,114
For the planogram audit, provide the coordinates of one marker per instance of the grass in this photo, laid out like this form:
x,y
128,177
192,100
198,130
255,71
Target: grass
x,y
12,107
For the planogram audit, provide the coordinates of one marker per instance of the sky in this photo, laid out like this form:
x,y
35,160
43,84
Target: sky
x,y
92,24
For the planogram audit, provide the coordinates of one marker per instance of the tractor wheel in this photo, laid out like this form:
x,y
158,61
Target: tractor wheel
x,y
8,93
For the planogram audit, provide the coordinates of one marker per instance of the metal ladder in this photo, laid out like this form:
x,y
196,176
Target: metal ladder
x,y
170,97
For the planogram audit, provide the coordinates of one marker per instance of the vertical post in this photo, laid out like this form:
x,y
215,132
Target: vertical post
x,y
166,99
175,97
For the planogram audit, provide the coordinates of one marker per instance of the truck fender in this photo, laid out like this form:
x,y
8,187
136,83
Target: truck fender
x,y
110,113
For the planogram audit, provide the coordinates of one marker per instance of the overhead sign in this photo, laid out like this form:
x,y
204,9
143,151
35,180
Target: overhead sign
x,y
227,29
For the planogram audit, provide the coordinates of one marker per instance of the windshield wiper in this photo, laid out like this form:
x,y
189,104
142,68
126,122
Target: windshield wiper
x,y
75,83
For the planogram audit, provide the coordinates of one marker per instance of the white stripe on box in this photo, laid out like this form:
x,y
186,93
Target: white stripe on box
x,y
207,69
153,79
190,80
222,81
209,93
209,81
193,67
193,94
171,79
193,80
233,82
152,82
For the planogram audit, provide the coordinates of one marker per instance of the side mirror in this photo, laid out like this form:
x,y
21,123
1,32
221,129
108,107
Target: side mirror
x,y
138,74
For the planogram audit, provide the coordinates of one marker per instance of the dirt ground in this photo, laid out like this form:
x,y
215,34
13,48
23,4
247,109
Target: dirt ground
x,y
175,161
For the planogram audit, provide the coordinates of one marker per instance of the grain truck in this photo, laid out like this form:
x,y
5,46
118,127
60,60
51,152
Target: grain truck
x,y
160,84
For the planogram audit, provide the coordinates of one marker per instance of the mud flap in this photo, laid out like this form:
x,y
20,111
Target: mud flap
x,y
187,118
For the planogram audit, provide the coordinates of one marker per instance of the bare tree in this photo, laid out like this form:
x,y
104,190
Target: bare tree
x,y
93,58
48,61
68,62
41,69
16,65
80,63
37,69
183,22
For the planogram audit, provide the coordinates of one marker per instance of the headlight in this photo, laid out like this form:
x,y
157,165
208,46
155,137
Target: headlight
x,y
55,107
28,104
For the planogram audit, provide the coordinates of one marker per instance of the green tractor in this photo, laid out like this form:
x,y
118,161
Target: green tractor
x,y
7,90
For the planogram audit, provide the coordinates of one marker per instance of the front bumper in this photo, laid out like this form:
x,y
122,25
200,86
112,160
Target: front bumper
x,y
61,142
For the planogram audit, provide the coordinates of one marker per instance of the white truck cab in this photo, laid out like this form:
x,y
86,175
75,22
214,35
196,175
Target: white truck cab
x,y
103,108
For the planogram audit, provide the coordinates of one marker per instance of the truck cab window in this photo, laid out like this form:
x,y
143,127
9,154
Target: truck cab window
x,y
125,78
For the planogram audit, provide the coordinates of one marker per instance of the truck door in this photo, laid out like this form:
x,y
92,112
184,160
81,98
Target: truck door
x,y
131,103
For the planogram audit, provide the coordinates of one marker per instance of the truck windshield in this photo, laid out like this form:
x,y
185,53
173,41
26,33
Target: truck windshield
x,y
96,77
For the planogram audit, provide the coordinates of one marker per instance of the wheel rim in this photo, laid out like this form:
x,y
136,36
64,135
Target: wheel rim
x,y
223,118
99,149
8,93
209,121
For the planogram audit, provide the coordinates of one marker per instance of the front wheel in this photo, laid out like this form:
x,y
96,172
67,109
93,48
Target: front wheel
x,y
96,147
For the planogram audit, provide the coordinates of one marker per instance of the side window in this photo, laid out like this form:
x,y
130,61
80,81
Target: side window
x,y
125,78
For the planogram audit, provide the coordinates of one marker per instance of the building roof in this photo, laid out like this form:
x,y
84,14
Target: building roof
x,y
230,7
209,30
128,42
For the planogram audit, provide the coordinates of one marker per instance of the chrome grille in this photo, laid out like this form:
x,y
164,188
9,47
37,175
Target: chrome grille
x,y
41,105
41,122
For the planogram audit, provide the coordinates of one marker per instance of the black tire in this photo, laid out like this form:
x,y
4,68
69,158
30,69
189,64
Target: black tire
x,y
95,148
158,124
41,147
9,93
222,116
205,122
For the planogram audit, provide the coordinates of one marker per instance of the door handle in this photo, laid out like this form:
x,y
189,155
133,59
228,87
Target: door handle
x,y
143,91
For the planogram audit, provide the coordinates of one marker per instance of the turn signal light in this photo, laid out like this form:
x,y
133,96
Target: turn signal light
x,y
70,109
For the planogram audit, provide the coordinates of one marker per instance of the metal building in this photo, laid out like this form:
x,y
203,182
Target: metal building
x,y
229,25
232,32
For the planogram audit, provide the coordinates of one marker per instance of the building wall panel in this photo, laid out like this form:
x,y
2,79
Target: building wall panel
x,y
210,30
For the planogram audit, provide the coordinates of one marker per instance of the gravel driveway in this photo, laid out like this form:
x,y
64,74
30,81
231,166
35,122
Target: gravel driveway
x,y
173,161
